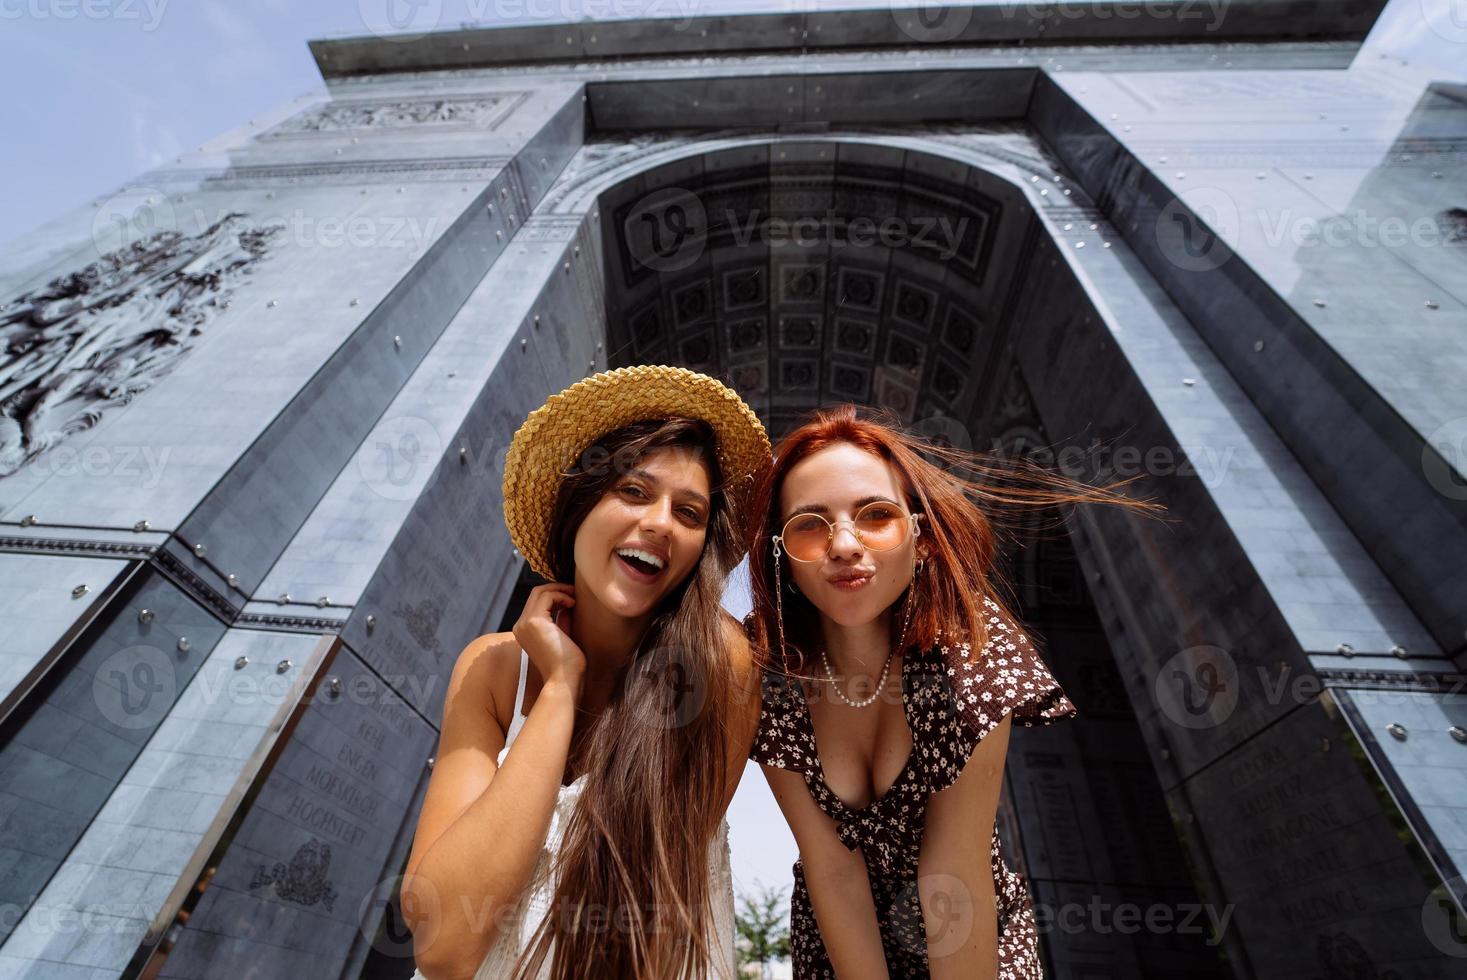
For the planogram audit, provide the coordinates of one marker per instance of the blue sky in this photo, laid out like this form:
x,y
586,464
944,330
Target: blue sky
x,y
99,91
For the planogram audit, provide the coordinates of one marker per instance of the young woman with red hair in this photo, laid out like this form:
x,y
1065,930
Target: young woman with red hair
x,y
894,672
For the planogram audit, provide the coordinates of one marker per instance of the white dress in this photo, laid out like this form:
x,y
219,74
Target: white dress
x,y
534,902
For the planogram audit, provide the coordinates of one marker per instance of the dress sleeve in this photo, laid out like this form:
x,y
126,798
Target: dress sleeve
x,y
1006,677
782,740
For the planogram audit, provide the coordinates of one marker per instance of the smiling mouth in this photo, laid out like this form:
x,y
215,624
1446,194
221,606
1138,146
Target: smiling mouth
x,y
642,571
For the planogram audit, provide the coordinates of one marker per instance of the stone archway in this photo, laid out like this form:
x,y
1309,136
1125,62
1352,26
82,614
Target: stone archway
x,y
742,256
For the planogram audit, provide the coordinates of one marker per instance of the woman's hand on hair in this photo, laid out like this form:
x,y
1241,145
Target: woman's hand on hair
x,y
543,632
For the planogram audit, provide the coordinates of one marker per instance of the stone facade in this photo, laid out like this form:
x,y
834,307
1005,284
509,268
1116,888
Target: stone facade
x,y
256,406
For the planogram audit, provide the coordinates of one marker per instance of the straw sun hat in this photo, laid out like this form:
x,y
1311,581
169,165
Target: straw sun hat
x,y
554,436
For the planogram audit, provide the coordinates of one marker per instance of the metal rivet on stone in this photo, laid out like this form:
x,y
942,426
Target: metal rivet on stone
x,y
324,601
1345,650
283,666
371,623
145,615
537,321
241,662
1189,382
232,579
1105,245
355,301
1431,304
79,591
1398,732
1458,732
463,454
184,644
1320,303
271,303
1258,345
28,520
284,598
1400,651
397,341
200,550
141,526
333,686
524,343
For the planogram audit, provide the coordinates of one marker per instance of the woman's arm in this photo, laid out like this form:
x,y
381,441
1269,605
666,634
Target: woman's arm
x,y
955,870
482,826
840,890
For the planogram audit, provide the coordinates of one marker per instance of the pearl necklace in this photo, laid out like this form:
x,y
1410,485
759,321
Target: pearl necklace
x,y
881,684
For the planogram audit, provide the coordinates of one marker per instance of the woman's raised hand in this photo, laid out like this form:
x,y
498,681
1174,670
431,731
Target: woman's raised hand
x,y
543,632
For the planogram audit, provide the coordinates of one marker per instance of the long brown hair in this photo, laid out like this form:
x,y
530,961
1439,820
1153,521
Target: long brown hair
x,y
631,896
970,500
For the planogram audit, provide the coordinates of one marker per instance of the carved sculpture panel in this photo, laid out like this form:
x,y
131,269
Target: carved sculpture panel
x,y
100,336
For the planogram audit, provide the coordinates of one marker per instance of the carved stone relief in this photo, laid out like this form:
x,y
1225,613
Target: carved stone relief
x,y
470,112
101,335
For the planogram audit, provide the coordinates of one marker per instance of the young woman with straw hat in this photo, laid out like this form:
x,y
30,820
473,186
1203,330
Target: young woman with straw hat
x,y
574,822
874,574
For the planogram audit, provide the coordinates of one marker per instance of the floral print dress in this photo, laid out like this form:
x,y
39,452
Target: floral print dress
x,y
951,700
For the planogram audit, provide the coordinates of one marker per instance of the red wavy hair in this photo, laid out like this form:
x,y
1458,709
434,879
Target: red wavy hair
x,y
966,518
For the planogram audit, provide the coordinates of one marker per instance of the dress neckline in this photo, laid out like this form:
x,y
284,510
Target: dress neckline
x,y
902,774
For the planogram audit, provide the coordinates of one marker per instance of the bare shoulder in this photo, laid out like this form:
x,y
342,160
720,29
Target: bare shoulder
x,y
736,644
487,672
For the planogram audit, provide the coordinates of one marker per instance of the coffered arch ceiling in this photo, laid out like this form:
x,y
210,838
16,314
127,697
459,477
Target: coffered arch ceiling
x,y
810,273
